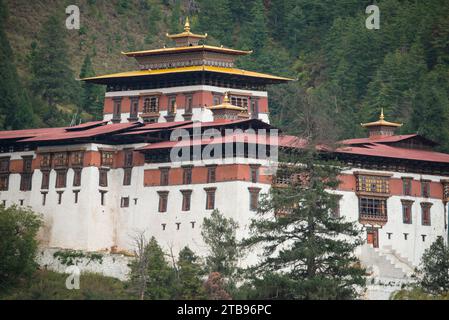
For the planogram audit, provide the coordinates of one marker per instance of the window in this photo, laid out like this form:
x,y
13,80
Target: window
x,y
117,109
4,165
46,160
60,196
127,176
4,181
77,177
372,184
151,105
61,178
425,188
45,179
407,211
164,176
189,105
60,159
134,108
76,193
171,105
373,209
186,199
103,178
128,158
27,164
239,101
217,100
254,198
25,181
107,158
425,213
44,198
187,175
103,197
124,203
77,159
212,174
255,108
254,171
210,198
163,199
407,186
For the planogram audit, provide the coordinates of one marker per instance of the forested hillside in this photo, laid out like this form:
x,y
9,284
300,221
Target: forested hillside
x,y
345,72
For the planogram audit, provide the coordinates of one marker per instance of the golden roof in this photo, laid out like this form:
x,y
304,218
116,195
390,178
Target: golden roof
x,y
232,71
186,49
187,33
227,105
381,122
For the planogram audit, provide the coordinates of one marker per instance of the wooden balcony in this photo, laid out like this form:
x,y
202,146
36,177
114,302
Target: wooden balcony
x,y
373,218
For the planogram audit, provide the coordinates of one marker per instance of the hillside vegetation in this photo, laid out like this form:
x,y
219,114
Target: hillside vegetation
x,y
345,72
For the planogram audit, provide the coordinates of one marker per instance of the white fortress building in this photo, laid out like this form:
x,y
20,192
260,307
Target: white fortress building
x,y
99,183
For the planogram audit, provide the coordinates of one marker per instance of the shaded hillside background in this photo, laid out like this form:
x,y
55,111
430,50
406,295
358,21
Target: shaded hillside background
x,y
345,72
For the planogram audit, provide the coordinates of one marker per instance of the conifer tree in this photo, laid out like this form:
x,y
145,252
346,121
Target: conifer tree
x,y
216,20
306,252
91,94
15,108
189,273
435,268
52,77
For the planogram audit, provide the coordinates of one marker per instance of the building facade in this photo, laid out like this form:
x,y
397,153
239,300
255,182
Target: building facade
x,y
99,183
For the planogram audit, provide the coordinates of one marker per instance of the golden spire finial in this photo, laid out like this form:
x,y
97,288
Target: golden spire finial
x,y
226,98
382,117
187,25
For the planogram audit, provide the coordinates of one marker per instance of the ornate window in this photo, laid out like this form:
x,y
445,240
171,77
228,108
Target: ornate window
x,y
254,198
127,176
103,181
171,105
186,199
187,175
212,174
163,200
151,105
134,109
25,181
425,213
77,158
107,158
210,198
45,179
240,101
128,158
46,160
77,177
60,159
164,176
407,186
373,209
372,184
189,104
117,109
425,188
407,211
254,172
61,178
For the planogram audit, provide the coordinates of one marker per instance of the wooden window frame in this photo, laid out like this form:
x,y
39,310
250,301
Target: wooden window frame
x,y
426,211
77,158
103,177
212,174
372,208
189,104
107,158
77,173
61,179
134,108
45,184
187,175
254,198
425,188
165,176
254,173
210,198
26,180
127,176
407,185
407,211
186,200
163,201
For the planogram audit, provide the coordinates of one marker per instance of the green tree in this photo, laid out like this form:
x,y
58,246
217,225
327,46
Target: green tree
x,y
151,272
15,108
219,234
91,94
216,20
435,268
52,77
189,273
18,244
305,251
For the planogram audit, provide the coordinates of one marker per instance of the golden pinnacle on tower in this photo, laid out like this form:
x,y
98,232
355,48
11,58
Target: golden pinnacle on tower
x,y
187,25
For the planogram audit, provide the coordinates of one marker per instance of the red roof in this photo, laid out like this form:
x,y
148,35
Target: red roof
x,y
381,150
378,140
87,125
28,133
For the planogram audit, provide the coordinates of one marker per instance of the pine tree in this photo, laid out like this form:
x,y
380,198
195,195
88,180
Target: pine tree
x,y
216,20
219,234
91,94
15,108
435,268
189,284
52,77
305,251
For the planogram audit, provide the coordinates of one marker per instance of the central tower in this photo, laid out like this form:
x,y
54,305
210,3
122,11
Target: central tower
x,y
182,82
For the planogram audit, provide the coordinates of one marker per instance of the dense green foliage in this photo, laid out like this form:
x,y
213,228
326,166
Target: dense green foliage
x,y
345,72
189,285
306,252
435,268
18,245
